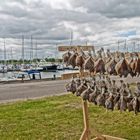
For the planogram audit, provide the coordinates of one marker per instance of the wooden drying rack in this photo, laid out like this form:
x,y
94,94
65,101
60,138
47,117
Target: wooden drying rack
x,y
86,132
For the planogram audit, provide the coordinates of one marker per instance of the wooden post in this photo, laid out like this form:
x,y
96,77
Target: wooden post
x,y
22,78
86,133
40,75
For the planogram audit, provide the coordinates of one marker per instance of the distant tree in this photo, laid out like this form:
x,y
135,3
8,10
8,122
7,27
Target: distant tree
x,y
51,60
46,59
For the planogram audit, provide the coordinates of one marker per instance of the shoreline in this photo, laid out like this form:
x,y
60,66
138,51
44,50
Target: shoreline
x,y
28,81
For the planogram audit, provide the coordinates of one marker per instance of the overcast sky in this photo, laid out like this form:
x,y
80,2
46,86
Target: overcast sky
x,y
51,22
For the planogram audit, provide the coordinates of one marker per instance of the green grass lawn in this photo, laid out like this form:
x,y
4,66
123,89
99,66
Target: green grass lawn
x,y
60,118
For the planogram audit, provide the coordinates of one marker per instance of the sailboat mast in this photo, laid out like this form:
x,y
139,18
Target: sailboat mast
x,y
125,47
31,50
71,37
36,51
4,53
12,56
23,49
118,46
134,45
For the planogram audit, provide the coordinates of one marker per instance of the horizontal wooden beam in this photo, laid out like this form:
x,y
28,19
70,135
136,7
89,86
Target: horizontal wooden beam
x,y
107,137
73,74
84,48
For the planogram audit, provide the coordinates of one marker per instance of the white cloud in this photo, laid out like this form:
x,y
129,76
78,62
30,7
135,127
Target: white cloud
x,y
51,21
60,4
65,5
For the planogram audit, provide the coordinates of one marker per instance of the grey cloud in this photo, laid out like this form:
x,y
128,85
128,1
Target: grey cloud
x,y
111,8
98,23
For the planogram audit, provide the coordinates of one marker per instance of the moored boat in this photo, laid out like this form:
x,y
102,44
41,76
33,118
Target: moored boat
x,y
47,66
3,69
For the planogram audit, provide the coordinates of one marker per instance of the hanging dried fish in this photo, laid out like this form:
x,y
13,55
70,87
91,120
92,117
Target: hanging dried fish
x,y
93,95
85,94
101,100
109,104
71,87
80,61
89,64
80,89
72,60
66,57
98,93
130,104
136,105
123,103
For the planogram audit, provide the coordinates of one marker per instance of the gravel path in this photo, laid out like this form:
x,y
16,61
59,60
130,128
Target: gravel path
x,y
23,91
